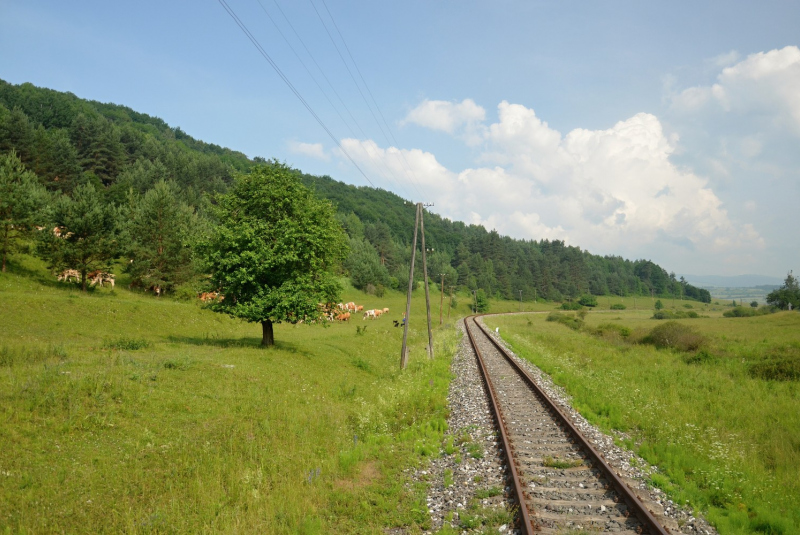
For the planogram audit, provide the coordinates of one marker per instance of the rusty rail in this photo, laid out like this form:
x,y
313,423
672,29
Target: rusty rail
x,y
524,515
640,510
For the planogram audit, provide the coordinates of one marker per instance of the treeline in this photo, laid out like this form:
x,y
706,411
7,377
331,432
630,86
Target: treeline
x,y
140,168
380,226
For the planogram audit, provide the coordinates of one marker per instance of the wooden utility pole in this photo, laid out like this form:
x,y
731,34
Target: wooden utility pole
x,y
441,299
403,352
449,306
425,270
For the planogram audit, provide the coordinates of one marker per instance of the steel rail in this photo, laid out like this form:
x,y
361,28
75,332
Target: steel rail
x,y
640,510
524,515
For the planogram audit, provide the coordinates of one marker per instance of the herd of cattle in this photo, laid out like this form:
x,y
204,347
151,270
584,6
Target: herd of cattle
x,y
331,312
94,277
344,311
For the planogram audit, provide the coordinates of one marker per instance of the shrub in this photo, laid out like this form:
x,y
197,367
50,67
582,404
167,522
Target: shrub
x,y
588,301
739,312
567,305
700,357
754,304
128,344
687,305
618,306
674,335
659,305
570,321
613,328
782,364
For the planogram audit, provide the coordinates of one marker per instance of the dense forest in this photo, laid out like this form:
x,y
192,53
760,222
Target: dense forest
x,y
156,186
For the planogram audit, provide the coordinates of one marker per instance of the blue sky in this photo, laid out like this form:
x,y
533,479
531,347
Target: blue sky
x,y
667,131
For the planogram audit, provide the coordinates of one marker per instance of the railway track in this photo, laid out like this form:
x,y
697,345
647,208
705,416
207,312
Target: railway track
x,y
561,482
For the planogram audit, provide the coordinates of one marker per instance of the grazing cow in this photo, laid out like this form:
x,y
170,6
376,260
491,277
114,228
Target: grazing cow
x,y
351,306
209,296
102,278
378,312
69,274
359,308
369,314
343,317
385,310
156,289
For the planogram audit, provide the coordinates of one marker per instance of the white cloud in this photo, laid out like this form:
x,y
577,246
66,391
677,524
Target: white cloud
x,y
313,150
446,116
765,84
613,191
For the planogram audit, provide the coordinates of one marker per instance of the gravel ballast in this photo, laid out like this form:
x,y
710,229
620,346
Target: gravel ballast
x,y
467,483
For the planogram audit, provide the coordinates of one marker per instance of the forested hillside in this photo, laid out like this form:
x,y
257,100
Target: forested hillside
x,y
137,165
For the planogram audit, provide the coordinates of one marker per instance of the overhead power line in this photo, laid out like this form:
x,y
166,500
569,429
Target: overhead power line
x,y
375,161
294,90
369,106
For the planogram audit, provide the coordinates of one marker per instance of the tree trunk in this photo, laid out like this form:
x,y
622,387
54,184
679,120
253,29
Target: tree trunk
x,y
83,280
267,338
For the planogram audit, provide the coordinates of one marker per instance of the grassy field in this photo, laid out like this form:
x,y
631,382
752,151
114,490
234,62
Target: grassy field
x,y
727,440
123,412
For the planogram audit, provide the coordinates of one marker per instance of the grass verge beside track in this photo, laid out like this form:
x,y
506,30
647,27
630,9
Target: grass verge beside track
x,y
727,441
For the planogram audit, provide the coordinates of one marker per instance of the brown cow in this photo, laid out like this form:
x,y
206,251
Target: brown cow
x,y
343,317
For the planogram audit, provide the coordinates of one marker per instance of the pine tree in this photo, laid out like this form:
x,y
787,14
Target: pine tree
x,y
21,198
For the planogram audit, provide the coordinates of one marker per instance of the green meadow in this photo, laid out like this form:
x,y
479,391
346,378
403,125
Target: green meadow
x,y
722,422
127,413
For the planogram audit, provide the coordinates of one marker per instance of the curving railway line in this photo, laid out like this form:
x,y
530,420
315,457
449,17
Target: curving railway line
x,y
562,482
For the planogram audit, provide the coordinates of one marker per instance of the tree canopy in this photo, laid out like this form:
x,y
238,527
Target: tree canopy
x,y
786,295
21,196
271,254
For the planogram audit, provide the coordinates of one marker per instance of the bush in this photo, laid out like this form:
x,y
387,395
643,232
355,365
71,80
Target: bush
x,y
754,304
744,312
674,315
782,364
129,344
659,305
588,301
612,328
618,306
674,335
570,321
687,305
700,357
567,305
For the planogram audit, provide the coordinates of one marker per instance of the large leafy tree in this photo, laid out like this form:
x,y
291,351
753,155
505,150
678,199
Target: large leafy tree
x,y
89,233
21,197
160,227
271,254
788,294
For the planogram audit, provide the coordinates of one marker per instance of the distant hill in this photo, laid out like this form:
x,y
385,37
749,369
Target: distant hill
x,y
735,281
68,141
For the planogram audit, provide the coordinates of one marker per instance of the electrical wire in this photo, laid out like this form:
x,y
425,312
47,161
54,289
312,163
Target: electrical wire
x,y
294,90
375,161
350,72
408,167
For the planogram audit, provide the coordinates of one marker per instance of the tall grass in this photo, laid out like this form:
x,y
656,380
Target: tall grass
x,y
128,413
721,423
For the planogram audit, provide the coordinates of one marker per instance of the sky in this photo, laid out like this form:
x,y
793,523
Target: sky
x,y
661,130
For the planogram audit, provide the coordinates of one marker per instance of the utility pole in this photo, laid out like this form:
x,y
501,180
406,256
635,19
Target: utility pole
x,y
441,300
425,270
403,352
449,306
